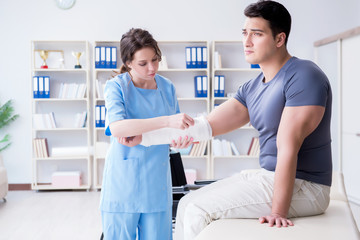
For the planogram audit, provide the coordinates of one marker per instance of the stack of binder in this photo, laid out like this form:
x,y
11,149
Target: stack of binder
x,y
105,57
41,86
196,57
100,115
201,86
219,86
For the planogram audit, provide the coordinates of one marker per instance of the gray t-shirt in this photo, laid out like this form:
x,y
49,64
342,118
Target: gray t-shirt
x,y
298,83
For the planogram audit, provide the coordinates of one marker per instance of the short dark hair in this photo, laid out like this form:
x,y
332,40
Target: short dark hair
x,y
134,40
275,13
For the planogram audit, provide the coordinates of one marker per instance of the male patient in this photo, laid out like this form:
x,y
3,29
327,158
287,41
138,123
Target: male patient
x,y
289,103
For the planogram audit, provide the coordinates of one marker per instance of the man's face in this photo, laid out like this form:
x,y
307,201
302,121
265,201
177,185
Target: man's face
x,y
259,43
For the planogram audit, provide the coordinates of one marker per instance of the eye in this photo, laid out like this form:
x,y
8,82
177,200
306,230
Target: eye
x,y
257,34
244,33
142,64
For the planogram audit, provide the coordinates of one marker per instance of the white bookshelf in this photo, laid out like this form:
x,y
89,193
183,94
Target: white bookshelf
x,y
237,71
101,75
183,80
65,135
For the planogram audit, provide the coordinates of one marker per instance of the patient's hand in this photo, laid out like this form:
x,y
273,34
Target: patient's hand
x,y
276,220
130,141
182,143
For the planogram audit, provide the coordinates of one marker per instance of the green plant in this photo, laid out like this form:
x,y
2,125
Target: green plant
x,y
6,117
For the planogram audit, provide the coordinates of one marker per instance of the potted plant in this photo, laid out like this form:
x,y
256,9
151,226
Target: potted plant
x,y
6,117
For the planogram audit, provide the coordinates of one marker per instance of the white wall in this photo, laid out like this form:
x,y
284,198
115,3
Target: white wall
x,y
22,21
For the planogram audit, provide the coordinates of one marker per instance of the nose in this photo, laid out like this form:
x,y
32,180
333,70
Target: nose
x,y
152,66
247,40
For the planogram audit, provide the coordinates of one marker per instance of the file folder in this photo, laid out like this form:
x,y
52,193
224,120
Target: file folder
x,y
222,86
198,57
36,87
102,57
216,86
204,57
113,57
204,86
188,57
97,116
107,57
97,57
46,87
255,65
41,87
102,115
193,57
198,86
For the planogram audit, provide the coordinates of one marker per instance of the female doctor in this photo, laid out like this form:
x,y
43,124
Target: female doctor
x,y
136,193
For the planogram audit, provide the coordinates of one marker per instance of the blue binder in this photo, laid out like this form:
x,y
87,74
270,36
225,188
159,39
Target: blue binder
x,y
188,57
97,116
255,66
198,57
216,85
107,57
204,57
97,57
204,86
102,115
193,57
46,87
41,87
113,57
36,86
102,57
198,86
221,86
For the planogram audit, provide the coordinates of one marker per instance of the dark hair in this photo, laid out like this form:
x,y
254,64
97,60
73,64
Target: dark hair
x,y
134,40
275,13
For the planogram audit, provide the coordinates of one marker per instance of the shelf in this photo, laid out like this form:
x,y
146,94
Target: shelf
x,y
59,70
50,187
62,158
237,70
184,70
62,129
60,99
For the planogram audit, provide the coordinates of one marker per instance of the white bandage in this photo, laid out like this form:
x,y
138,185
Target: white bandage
x,y
199,132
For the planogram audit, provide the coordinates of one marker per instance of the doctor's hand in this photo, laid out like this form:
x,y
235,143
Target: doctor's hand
x,y
276,220
182,143
130,141
181,121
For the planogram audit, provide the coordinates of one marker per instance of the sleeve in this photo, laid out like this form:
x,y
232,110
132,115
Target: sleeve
x,y
114,103
307,87
241,93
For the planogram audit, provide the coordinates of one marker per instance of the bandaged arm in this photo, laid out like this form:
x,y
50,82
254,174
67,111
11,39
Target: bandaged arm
x,y
200,131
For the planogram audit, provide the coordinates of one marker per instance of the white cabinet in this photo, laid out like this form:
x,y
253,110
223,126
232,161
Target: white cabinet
x,y
338,57
68,141
228,61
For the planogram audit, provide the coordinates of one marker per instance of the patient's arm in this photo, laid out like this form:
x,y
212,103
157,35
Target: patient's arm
x,y
199,132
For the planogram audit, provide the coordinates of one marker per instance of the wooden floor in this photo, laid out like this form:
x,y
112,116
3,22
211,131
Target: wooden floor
x,y
30,215
50,216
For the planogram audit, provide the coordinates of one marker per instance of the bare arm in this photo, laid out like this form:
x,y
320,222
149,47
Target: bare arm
x,y
295,125
135,127
227,117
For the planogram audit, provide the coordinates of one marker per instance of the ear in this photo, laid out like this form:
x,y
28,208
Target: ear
x,y
280,39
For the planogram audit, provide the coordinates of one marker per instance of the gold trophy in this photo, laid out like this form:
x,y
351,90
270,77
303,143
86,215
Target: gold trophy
x,y
44,55
77,55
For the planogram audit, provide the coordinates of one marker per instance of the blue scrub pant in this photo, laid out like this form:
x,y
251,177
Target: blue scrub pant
x,y
126,226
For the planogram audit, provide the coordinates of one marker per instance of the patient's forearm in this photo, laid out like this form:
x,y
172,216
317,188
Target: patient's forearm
x,y
199,132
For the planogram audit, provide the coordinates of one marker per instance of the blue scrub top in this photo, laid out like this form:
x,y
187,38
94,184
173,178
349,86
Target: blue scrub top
x,y
137,179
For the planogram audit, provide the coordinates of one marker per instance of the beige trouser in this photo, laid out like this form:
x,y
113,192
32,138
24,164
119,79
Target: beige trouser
x,y
245,195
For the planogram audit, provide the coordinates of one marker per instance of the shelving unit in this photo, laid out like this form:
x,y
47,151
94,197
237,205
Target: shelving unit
x,y
66,135
101,141
183,79
237,71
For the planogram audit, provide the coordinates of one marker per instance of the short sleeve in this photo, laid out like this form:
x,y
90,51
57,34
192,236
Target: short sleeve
x,y
177,108
241,94
307,87
114,103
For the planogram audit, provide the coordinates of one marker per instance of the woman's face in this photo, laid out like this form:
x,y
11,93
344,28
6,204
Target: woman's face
x,y
145,65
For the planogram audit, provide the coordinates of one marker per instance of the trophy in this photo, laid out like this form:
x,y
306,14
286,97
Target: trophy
x,y
77,55
44,55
